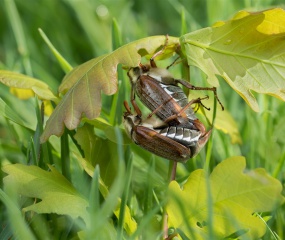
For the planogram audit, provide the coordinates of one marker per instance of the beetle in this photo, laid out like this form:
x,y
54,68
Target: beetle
x,y
158,90
172,142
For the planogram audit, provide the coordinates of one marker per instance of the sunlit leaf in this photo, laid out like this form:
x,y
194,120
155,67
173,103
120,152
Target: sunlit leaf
x,y
248,52
56,193
224,120
22,82
236,195
86,82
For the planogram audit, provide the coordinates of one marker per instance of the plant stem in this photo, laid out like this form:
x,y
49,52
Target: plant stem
x,y
171,176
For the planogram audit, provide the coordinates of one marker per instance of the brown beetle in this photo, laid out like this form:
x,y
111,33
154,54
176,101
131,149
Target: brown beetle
x,y
174,143
159,91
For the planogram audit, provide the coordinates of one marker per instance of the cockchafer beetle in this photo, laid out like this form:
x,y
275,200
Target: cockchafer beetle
x,y
159,91
173,142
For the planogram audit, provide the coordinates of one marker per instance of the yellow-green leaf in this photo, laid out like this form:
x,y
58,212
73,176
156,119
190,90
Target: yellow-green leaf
x,y
86,82
23,82
247,51
56,193
235,195
224,120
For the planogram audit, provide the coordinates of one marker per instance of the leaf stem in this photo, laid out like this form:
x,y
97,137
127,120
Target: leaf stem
x,y
65,159
18,31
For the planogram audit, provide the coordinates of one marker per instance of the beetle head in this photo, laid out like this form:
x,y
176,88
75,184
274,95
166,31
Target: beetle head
x,y
130,121
134,74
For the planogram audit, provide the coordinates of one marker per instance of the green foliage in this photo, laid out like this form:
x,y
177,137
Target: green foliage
x,y
20,81
56,193
246,51
235,195
91,183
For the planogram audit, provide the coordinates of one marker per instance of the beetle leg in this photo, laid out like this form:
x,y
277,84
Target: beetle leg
x,y
192,87
136,108
159,107
127,107
197,100
174,62
152,62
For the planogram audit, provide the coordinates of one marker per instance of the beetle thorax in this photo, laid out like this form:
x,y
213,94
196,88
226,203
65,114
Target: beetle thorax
x,y
161,74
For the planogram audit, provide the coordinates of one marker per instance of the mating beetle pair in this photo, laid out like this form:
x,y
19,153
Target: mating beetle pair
x,y
177,134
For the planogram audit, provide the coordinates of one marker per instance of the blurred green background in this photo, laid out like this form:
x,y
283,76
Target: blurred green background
x,y
82,29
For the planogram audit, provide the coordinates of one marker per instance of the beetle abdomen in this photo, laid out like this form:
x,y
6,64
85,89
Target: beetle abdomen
x,y
187,137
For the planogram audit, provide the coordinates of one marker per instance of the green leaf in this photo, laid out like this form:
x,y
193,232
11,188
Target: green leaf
x,y
21,81
223,121
56,193
236,194
130,224
86,82
108,129
247,51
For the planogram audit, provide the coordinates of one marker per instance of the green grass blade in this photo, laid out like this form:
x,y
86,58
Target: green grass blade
x,y
66,67
17,223
117,102
94,198
8,113
125,198
18,31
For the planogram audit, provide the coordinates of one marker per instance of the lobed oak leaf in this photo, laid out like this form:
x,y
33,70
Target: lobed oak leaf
x,y
247,51
57,195
85,83
235,196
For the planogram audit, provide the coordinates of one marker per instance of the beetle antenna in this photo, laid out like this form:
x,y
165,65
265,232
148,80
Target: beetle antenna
x,y
201,104
174,62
